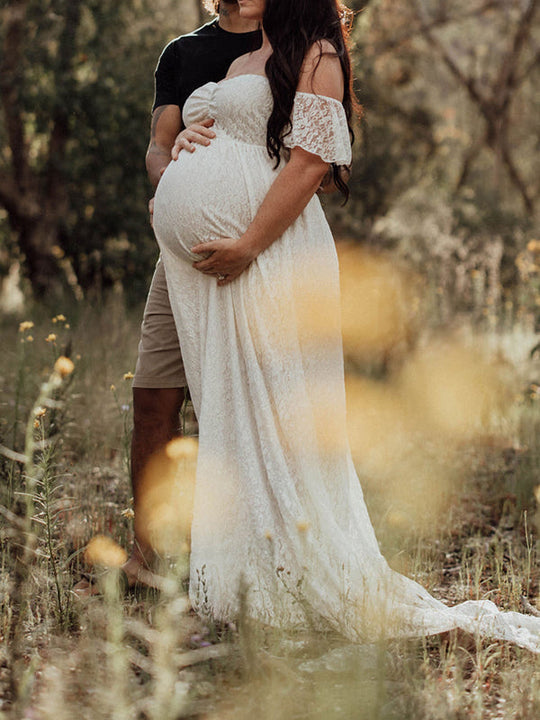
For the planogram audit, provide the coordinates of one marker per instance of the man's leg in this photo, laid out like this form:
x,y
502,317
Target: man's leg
x,y
155,422
159,388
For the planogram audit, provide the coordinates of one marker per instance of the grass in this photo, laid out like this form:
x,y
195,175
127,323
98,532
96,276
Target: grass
x,y
117,658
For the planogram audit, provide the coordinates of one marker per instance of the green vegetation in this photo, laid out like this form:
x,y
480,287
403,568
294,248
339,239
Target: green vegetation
x,y
444,169
452,497
441,344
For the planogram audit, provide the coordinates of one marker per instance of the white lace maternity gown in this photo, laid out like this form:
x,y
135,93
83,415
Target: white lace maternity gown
x,y
279,516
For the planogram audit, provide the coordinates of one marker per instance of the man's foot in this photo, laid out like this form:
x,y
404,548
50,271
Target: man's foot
x,y
132,578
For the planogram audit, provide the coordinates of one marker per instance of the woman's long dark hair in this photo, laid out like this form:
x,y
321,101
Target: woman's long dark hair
x,y
293,26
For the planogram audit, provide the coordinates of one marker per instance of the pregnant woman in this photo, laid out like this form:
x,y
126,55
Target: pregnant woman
x,y
279,520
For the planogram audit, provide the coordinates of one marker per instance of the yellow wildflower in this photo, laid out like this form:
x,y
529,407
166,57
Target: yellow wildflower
x,y
51,337
30,338
128,513
40,412
182,448
64,366
113,388
104,551
26,325
128,376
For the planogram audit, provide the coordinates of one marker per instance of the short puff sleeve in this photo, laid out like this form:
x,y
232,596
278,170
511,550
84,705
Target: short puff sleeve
x,y
319,126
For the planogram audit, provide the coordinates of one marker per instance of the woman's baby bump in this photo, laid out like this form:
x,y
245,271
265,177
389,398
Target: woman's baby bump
x,y
212,192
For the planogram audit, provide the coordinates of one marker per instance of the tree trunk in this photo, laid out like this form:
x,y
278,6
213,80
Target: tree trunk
x,y
36,203
38,237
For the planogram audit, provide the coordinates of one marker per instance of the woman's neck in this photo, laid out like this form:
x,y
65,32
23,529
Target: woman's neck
x,y
229,19
266,47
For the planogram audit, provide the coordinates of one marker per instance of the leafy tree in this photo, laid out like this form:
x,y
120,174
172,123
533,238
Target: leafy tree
x,y
450,87
76,91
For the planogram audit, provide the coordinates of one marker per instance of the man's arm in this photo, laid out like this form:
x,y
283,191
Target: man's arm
x,y
166,124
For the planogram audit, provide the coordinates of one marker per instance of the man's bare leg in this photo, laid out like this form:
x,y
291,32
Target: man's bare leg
x,y
155,422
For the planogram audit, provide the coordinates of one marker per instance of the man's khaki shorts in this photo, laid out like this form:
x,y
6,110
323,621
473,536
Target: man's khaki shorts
x,y
159,364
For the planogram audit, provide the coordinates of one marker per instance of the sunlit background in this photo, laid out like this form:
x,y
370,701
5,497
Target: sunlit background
x,y
439,250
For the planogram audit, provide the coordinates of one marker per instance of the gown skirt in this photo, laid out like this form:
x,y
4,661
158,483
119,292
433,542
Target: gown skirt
x,y
280,527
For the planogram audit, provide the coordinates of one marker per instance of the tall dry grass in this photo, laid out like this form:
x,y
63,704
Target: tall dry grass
x,y
444,428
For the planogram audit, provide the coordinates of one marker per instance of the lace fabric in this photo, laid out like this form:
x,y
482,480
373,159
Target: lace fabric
x,y
319,125
279,517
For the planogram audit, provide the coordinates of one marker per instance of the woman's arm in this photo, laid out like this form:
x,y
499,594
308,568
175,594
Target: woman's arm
x,y
284,203
290,192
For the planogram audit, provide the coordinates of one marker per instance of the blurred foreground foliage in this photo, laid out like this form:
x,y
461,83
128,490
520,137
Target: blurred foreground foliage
x,y
447,445
444,156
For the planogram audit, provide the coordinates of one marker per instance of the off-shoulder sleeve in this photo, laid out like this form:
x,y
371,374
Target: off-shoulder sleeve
x,y
319,125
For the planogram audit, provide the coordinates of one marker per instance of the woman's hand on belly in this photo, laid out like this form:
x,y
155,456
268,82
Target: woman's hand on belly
x,y
227,260
196,134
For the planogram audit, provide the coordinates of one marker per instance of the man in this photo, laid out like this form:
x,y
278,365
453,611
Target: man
x,y
159,385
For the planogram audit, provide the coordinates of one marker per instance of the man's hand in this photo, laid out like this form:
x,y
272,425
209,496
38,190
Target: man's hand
x,y
227,259
196,134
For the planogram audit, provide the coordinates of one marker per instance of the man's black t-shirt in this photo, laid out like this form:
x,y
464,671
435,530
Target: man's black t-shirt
x,y
195,59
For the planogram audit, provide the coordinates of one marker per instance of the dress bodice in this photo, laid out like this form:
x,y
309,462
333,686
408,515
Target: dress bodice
x,y
241,106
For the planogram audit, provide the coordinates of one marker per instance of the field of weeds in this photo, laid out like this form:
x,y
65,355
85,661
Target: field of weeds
x,y
445,431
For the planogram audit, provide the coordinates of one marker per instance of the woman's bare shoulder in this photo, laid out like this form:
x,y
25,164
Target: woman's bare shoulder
x,y
320,48
238,66
321,71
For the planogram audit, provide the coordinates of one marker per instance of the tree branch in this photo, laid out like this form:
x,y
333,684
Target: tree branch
x,y
14,16
513,172
433,24
20,206
64,79
507,76
468,81
534,64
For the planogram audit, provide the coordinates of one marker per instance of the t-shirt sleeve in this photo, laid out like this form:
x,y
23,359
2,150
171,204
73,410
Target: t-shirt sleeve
x,y
166,78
